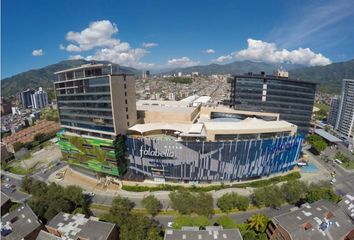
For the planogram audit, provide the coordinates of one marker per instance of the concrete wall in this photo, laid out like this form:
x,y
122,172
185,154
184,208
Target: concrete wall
x,y
123,97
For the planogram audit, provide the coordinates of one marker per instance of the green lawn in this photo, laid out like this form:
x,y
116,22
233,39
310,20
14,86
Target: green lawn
x,y
348,165
322,106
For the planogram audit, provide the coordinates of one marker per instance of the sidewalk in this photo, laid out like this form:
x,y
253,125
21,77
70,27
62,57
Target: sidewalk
x,y
91,184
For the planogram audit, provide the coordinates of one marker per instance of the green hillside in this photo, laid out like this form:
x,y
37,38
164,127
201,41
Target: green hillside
x,y
329,77
43,77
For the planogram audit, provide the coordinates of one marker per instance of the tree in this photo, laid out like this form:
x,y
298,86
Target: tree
x,y
319,146
47,201
258,197
257,222
182,201
321,191
270,196
226,222
17,146
294,191
225,203
120,209
203,204
74,194
137,227
318,143
26,184
229,201
152,205
40,137
242,203
154,234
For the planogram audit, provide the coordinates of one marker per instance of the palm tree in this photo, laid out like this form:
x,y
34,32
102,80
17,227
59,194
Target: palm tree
x,y
257,222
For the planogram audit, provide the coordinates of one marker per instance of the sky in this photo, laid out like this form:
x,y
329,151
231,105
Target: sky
x,y
160,34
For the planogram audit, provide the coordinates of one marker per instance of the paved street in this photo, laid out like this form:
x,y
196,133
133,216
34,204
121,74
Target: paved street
x,y
239,217
345,178
44,175
12,192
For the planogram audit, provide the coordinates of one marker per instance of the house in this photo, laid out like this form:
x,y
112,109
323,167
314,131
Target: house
x,y
347,205
210,233
319,220
5,203
68,226
20,223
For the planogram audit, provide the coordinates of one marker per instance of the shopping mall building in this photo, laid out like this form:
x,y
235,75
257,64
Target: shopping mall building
x,y
165,140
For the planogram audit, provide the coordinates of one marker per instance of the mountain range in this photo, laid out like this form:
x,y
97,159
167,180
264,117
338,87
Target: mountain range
x,y
328,77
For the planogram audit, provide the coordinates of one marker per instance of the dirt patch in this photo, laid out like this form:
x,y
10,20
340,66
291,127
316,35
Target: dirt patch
x,y
86,182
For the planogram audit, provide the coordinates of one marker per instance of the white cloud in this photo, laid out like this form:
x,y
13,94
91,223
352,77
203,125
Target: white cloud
x,y
223,58
98,34
258,50
149,45
38,52
75,57
210,51
99,37
182,62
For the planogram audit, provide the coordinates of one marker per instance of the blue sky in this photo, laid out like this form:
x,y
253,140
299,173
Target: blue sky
x,y
166,34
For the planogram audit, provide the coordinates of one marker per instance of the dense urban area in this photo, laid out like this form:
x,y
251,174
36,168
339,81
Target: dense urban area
x,y
58,198
177,120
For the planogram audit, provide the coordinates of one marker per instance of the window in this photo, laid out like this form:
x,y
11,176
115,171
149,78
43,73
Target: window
x,y
126,101
127,116
125,93
128,124
126,109
125,86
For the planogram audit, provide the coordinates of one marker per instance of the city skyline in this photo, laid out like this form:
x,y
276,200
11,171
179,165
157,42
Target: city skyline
x,y
157,35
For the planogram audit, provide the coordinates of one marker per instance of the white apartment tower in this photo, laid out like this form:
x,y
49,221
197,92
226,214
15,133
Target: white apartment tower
x,y
39,99
333,111
345,120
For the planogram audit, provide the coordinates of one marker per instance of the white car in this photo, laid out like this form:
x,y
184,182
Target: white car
x,y
333,181
169,224
91,194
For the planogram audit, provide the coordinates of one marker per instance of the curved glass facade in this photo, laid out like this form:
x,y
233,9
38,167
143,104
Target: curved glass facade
x,y
213,161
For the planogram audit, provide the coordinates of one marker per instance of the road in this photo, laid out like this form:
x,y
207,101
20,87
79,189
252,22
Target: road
x,y
239,217
44,175
13,193
345,178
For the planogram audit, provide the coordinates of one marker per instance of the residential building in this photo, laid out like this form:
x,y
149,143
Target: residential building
x,y
210,233
96,106
5,203
146,74
293,99
26,135
39,99
345,119
319,220
20,223
6,107
73,227
25,98
43,235
5,154
333,111
347,205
